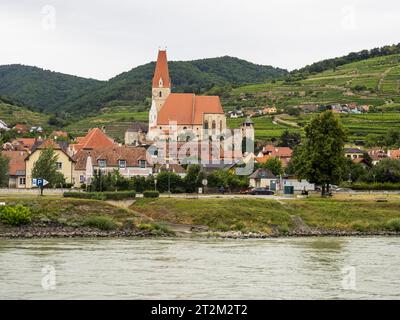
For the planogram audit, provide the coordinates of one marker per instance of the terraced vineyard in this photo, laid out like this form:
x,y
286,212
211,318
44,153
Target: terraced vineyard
x,y
373,81
12,114
115,123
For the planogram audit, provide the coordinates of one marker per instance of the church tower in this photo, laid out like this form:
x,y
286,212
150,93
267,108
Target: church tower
x,y
161,80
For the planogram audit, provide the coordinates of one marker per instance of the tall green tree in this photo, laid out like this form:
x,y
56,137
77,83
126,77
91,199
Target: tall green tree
x,y
320,159
274,165
289,139
4,161
46,168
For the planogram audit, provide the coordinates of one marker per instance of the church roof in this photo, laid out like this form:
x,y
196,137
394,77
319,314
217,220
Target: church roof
x,y
161,70
188,109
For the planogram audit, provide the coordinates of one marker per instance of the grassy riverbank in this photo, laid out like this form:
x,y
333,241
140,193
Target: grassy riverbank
x,y
345,215
53,216
276,217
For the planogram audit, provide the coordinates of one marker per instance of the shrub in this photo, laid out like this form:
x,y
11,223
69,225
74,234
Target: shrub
x,y
117,195
151,194
393,224
100,222
15,215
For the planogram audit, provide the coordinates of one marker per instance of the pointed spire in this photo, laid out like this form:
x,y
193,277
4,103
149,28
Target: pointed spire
x,y
161,73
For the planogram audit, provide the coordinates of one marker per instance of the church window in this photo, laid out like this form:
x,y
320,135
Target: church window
x,y
206,125
214,125
160,94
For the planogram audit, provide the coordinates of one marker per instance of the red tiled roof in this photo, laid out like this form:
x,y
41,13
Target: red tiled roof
x,y
49,143
111,155
280,152
26,143
188,109
95,138
161,70
16,165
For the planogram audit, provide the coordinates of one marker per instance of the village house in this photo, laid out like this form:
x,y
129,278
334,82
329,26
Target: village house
x,y
353,153
95,138
269,110
16,168
22,144
284,154
3,126
262,178
21,128
377,155
128,161
175,168
394,154
136,134
65,164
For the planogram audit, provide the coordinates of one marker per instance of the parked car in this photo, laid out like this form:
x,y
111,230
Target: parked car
x,y
261,191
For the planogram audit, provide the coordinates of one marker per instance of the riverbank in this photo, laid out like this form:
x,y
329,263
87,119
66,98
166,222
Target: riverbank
x,y
207,217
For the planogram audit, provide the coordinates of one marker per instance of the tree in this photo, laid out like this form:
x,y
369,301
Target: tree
x,y
167,180
274,165
3,171
289,139
46,168
190,181
387,170
320,159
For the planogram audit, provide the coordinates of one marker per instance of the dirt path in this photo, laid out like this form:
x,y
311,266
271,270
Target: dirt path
x,y
383,77
125,204
277,119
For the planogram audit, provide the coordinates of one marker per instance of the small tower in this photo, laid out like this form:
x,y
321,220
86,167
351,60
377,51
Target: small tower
x,y
248,129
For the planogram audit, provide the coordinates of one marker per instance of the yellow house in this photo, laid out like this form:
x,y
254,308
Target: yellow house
x,y
65,164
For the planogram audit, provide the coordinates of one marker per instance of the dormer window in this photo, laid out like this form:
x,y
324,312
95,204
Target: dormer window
x,y
160,83
102,163
122,164
142,163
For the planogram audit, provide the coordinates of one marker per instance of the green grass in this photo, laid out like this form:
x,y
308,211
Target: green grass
x,y
265,215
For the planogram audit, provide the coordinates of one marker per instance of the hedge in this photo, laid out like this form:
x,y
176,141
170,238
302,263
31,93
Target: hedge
x,y
117,195
372,186
151,194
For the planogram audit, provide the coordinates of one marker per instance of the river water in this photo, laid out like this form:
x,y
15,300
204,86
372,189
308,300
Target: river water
x,y
287,268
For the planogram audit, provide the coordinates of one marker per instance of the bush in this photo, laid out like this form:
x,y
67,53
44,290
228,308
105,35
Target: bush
x,y
151,194
117,195
15,215
100,222
393,224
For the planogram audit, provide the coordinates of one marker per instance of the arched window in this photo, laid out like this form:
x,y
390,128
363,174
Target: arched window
x,y
214,125
220,125
160,94
206,124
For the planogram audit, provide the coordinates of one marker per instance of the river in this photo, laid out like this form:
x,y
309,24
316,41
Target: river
x,y
285,268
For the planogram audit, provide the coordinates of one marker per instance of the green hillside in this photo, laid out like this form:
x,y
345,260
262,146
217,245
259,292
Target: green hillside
x,y
374,81
54,92
12,114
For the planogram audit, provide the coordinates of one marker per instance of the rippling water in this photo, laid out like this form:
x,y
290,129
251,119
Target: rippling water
x,y
302,268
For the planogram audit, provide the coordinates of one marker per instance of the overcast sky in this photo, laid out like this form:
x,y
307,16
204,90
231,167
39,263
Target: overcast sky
x,y
101,38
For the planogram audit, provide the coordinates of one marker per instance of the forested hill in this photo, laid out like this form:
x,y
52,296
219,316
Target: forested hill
x,y
40,89
59,93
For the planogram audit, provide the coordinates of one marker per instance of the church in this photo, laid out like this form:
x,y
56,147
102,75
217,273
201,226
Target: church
x,y
192,117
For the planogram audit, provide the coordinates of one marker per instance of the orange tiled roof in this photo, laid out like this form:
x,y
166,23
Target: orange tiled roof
x,y
94,139
161,70
187,108
16,165
395,154
26,143
111,155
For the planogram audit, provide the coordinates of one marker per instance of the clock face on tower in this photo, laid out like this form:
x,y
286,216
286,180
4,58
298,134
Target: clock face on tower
x,y
155,93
